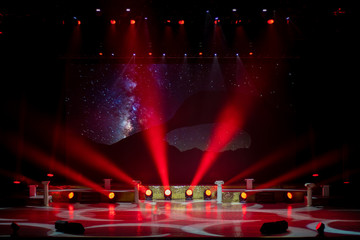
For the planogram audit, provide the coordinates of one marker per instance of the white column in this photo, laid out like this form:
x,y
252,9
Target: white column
x,y
325,191
309,187
32,190
107,183
46,192
249,183
136,188
219,184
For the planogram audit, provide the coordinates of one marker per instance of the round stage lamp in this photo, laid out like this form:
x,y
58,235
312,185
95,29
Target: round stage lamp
x,y
111,195
243,196
148,194
167,194
320,227
289,195
189,194
71,195
207,194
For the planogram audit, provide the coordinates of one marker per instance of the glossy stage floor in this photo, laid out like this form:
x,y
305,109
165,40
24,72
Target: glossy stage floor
x,y
172,219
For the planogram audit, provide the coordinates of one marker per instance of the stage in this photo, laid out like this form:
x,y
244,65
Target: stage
x,y
178,219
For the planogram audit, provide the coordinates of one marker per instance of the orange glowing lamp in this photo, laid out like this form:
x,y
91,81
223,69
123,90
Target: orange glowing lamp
x,y
111,195
243,195
289,195
71,195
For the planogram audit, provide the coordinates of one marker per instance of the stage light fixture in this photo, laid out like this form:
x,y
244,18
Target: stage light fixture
x,y
132,21
320,227
111,195
148,194
274,227
15,228
112,21
71,195
167,194
243,197
207,194
69,227
289,195
270,21
189,194
50,175
16,182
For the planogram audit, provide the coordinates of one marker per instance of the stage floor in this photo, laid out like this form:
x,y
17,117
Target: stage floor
x,y
179,219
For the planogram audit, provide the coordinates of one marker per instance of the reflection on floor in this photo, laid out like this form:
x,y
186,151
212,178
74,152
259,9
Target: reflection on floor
x,y
179,219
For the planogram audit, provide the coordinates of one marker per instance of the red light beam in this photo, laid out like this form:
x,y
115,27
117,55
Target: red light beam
x,y
42,159
325,160
230,121
82,152
276,156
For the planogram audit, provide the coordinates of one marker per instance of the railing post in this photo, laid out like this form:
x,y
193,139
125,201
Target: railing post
x,y
219,184
249,183
107,183
136,188
46,192
32,190
309,187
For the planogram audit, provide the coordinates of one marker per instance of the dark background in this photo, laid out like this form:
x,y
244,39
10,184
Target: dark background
x,y
35,50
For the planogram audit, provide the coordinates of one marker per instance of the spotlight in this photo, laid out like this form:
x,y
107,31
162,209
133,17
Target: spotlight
x,y
320,227
112,21
243,197
215,54
132,21
167,194
207,194
72,197
181,22
69,227
164,54
148,194
189,194
111,195
50,175
15,228
274,227
270,21
289,195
